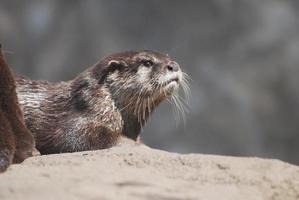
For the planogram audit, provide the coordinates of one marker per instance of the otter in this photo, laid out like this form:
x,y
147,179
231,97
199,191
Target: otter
x,y
16,141
103,106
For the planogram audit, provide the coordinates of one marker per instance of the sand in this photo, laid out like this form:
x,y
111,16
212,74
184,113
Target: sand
x,y
139,172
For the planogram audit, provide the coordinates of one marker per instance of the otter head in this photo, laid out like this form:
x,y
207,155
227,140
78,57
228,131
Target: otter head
x,y
140,80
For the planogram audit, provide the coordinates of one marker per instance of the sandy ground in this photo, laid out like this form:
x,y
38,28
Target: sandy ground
x,y
138,172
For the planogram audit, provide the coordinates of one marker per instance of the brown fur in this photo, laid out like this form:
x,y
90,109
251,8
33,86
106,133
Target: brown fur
x,y
93,111
16,141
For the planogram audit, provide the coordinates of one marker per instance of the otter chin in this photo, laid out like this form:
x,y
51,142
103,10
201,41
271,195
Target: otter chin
x,y
106,103
172,85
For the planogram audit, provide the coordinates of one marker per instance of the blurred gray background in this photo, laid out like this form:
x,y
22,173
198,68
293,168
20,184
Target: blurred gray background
x,y
243,57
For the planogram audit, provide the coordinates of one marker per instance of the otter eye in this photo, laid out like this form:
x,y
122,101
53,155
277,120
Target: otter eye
x,y
147,63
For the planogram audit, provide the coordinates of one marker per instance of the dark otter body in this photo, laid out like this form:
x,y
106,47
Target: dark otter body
x,y
107,102
16,141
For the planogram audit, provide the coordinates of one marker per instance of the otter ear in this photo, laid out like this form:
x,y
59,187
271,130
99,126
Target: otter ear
x,y
115,64
109,68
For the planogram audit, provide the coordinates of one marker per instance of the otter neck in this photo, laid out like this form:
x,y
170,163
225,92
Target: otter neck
x,y
134,110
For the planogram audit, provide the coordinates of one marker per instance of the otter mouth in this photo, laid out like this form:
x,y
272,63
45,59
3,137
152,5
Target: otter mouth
x,y
173,80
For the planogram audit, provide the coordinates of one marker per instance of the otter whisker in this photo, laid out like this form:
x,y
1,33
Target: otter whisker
x,y
180,107
140,105
144,105
184,104
149,105
186,86
186,75
186,89
126,106
174,109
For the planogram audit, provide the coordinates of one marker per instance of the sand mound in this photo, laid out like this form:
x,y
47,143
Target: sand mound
x,y
138,172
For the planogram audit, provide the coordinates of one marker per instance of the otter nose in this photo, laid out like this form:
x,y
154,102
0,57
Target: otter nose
x,y
173,67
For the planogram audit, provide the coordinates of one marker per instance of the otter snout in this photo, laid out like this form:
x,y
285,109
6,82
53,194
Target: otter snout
x,y
172,66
